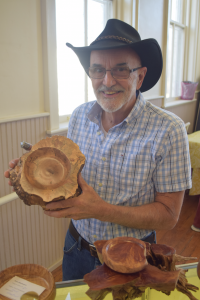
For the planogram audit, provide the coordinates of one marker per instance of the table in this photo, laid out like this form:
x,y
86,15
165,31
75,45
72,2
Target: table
x,y
77,288
194,145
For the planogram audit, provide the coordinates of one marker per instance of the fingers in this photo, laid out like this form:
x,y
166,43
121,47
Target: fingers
x,y
58,214
7,173
13,163
64,213
83,184
67,203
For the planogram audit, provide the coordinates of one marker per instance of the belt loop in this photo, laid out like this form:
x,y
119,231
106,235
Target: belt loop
x,y
79,243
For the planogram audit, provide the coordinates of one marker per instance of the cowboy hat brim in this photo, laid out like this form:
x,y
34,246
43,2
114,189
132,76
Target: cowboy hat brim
x,y
148,50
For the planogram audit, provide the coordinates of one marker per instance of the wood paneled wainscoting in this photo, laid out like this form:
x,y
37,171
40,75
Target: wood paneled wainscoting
x,y
26,234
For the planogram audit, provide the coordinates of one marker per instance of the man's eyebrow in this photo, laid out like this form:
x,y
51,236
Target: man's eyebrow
x,y
121,64
96,65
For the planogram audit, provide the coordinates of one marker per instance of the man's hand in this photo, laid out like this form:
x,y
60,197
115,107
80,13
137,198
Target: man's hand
x,y
87,205
12,164
161,214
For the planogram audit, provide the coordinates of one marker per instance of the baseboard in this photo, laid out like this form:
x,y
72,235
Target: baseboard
x,y
55,265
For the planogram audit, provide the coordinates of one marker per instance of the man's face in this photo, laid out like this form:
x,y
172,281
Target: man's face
x,y
113,94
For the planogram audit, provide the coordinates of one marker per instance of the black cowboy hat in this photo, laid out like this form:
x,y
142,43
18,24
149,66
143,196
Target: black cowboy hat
x,y
118,34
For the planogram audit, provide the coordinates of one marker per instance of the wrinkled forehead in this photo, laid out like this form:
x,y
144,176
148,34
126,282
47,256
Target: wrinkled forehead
x,y
114,56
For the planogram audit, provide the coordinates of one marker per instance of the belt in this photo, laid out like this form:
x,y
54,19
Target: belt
x,y
91,248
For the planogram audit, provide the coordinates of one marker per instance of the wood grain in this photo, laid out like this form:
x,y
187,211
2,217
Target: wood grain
x,y
48,172
33,273
125,254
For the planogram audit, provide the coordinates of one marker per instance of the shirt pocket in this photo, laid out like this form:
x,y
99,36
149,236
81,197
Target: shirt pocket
x,y
136,171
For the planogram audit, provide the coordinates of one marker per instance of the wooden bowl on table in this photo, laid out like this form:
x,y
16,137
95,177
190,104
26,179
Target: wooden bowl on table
x,y
34,273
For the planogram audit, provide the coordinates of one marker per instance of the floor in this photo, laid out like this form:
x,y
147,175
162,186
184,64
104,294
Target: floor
x,y
181,237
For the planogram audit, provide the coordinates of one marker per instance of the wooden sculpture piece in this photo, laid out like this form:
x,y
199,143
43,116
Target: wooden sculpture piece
x,y
125,255
159,273
48,172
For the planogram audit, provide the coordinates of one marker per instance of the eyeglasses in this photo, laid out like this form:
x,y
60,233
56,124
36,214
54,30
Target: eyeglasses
x,y
116,72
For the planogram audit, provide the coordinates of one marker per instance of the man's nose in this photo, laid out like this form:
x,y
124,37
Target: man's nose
x,y
108,79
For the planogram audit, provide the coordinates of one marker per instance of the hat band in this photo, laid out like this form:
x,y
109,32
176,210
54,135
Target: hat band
x,y
112,37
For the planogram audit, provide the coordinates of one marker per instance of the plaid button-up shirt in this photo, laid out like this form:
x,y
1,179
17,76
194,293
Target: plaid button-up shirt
x,y
146,153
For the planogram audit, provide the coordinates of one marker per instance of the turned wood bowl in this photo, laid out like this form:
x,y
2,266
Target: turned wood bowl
x,y
48,172
125,254
34,273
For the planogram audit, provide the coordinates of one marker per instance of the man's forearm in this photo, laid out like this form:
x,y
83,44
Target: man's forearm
x,y
161,214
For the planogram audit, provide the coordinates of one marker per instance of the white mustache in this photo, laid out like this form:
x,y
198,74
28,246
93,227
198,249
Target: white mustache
x,y
106,89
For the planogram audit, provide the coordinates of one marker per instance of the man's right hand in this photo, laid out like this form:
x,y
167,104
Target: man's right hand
x,y
12,164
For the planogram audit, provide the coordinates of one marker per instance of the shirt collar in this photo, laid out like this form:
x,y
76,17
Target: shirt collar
x,y
137,108
94,114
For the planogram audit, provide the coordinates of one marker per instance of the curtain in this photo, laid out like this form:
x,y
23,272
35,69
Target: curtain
x,y
127,11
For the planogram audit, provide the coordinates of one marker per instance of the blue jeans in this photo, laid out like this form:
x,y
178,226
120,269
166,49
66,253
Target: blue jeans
x,y
77,261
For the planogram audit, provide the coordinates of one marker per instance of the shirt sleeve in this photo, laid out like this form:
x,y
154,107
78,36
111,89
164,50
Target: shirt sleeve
x,y
173,171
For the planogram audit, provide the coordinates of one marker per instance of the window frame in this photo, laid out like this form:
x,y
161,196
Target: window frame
x,y
181,25
48,40
190,24
48,26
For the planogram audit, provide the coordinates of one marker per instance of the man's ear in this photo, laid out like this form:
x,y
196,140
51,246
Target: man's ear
x,y
141,74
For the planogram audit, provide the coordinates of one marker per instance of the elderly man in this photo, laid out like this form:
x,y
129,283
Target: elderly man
x,y
137,160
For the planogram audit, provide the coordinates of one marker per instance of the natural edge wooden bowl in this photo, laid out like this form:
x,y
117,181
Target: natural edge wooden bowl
x,y
34,273
125,254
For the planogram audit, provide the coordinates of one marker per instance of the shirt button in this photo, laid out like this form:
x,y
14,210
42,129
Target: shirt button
x,y
100,184
98,132
103,158
94,236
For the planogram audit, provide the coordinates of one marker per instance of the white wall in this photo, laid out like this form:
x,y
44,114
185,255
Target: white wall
x,y
21,71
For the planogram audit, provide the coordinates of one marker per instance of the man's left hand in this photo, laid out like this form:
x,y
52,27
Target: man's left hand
x,y
87,205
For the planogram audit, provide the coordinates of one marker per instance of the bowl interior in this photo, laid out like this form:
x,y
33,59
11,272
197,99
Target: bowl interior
x,y
33,273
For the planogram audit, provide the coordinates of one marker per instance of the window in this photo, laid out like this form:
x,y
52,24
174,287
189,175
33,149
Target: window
x,y
75,21
176,46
